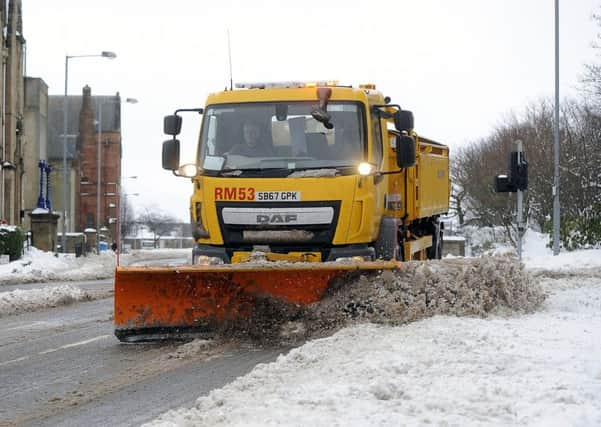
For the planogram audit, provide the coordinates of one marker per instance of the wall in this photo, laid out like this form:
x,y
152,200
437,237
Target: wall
x,y
34,143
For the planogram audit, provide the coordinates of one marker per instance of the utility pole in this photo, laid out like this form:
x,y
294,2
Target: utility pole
x,y
556,213
99,176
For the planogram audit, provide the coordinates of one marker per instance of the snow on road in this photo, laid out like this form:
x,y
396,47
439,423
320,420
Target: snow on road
x,y
538,369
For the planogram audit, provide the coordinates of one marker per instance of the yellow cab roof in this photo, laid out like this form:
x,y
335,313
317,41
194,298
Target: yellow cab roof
x,y
274,94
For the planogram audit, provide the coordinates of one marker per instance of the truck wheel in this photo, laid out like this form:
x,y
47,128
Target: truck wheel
x,y
386,245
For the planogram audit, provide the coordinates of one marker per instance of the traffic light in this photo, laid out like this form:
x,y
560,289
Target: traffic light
x,y
518,175
518,170
502,184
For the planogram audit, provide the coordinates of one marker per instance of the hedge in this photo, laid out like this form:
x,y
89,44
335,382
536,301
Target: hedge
x,y
11,242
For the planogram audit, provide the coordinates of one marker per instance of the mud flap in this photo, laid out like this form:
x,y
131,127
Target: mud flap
x,y
176,302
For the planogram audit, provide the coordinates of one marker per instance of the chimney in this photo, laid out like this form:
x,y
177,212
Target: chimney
x,y
86,116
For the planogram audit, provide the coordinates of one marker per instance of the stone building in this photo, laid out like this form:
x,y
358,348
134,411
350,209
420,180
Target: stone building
x,y
11,111
34,145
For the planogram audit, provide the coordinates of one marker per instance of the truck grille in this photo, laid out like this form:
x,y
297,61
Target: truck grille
x,y
281,225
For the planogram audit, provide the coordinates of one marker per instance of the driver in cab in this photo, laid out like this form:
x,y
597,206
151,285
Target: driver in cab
x,y
250,145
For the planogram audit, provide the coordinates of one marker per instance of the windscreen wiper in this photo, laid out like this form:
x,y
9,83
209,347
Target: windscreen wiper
x,y
253,171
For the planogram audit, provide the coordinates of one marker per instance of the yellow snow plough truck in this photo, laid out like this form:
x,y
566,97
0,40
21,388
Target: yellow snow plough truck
x,y
295,184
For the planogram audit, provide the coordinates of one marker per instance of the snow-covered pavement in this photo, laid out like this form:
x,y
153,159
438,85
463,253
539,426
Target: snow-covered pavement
x,y
37,267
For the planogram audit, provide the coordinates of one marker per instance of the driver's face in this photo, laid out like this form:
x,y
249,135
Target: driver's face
x,y
251,134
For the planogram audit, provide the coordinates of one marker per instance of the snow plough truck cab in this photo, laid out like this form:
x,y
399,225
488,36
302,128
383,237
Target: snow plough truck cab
x,y
294,185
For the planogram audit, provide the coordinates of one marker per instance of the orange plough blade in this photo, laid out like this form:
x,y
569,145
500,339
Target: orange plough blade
x,y
166,302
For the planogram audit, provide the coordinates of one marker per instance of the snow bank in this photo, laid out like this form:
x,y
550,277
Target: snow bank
x,y
473,287
537,256
40,266
19,300
541,369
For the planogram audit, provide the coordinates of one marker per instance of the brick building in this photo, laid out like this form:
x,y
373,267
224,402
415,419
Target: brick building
x,y
94,144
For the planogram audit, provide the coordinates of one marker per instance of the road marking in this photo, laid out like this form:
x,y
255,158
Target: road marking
x,y
19,359
75,344
52,350
36,324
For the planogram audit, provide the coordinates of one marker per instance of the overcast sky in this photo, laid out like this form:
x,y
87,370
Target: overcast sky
x,y
459,65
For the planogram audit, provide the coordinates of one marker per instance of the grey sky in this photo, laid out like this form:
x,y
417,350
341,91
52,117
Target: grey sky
x,y
459,65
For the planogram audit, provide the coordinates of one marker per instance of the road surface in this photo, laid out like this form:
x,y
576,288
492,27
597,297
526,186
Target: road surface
x,y
63,366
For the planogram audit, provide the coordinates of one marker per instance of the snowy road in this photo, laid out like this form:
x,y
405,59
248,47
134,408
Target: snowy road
x,y
63,366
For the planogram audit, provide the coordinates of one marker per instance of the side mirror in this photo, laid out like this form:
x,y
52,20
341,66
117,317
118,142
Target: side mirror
x,y
172,125
171,154
405,151
403,120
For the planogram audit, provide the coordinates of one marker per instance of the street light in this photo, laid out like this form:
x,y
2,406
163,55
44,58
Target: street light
x,y
120,215
103,54
556,147
99,163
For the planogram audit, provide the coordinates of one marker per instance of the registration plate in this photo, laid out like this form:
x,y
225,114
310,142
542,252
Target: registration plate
x,y
252,195
277,196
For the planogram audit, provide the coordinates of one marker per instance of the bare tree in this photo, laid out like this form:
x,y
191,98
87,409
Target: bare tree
x,y
128,217
475,165
591,79
158,222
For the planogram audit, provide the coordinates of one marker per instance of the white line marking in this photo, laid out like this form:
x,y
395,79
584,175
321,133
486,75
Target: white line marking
x,y
14,360
52,350
75,344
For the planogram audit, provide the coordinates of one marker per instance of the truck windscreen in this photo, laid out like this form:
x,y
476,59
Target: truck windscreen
x,y
280,135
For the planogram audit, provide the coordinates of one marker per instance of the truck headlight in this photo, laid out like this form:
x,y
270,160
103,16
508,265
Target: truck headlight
x,y
365,168
208,260
189,170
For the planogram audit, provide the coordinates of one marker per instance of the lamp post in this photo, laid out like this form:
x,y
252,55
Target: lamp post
x,y
120,216
99,164
556,208
104,54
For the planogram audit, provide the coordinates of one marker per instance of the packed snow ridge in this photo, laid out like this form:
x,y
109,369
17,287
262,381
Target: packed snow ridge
x,y
19,300
463,287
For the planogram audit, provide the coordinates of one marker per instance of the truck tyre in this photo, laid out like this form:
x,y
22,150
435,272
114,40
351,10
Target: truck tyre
x,y
387,245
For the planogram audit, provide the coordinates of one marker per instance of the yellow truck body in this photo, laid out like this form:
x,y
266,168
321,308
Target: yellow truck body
x,y
414,197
